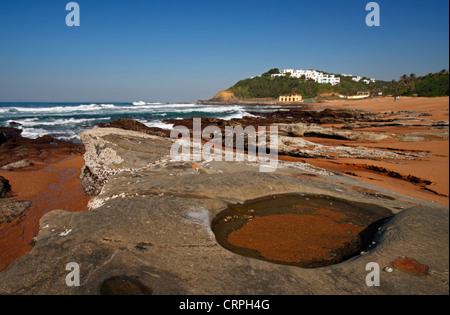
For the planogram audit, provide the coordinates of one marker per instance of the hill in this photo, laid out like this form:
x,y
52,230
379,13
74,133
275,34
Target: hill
x,y
266,87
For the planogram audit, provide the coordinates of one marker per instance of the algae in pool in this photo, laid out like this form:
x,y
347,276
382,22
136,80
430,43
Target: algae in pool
x,y
306,231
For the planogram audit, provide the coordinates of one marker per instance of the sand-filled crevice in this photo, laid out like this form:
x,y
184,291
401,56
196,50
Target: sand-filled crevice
x,y
307,231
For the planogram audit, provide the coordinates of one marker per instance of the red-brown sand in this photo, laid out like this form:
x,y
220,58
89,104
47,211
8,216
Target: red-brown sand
x,y
49,187
432,168
295,238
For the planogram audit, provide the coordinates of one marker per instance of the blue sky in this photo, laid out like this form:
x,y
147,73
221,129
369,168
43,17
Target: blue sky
x,y
185,50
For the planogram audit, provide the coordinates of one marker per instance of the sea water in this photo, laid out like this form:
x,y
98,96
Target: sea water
x,y
65,121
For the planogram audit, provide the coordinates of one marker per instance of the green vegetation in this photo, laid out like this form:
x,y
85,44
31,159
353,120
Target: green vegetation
x,y
431,85
265,86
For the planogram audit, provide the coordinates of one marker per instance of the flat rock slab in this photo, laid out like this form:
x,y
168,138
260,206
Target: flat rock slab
x,y
150,231
17,165
10,209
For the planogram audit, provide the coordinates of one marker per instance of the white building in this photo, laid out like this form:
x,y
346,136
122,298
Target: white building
x,y
358,78
318,77
369,81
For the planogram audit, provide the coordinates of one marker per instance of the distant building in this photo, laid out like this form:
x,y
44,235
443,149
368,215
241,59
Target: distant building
x,y
293,97
366,81
359,96
317,76
369,81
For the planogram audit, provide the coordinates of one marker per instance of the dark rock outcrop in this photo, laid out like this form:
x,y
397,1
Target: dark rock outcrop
x,y
5,187
10,209
8,133
133,125
18,148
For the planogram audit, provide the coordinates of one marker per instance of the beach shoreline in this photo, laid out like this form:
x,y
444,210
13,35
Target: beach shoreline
x,y
52,180
414,125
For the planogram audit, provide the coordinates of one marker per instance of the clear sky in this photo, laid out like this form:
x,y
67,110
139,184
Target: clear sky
x,y
185,50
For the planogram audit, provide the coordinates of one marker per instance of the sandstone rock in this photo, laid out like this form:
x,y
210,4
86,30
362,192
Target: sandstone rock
x,y
299,147
110,151
306,130
17,165
10,210
149,230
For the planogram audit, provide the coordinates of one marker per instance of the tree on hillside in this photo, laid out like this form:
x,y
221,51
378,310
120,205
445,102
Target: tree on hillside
x,y
270,72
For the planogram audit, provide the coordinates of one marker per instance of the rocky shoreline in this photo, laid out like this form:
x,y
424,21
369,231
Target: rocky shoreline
x,y
36,177
150,221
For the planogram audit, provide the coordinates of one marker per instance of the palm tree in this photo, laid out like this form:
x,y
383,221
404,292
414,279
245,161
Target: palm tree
x,y
402,84
412,82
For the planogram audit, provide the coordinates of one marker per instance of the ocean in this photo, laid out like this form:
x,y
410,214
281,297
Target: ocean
x,y
65,121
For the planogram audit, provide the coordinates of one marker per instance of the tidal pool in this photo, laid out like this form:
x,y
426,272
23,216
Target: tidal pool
x,y
307,231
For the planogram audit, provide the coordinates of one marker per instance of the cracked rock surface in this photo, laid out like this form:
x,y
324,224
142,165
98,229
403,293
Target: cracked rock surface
x,y
151,225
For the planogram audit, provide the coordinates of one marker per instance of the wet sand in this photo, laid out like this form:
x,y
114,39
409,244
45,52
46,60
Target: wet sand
x,y
433,167
438,107
49,186
295,238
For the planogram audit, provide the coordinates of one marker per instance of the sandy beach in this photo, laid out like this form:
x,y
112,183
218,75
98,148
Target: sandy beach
x,y
432,168
52,181
48,185
411,126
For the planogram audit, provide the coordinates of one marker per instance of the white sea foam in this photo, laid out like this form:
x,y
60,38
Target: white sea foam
x,y
69,138
212,109
142,103
62,109
31,122
34,133
66,121
157,124
238,116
